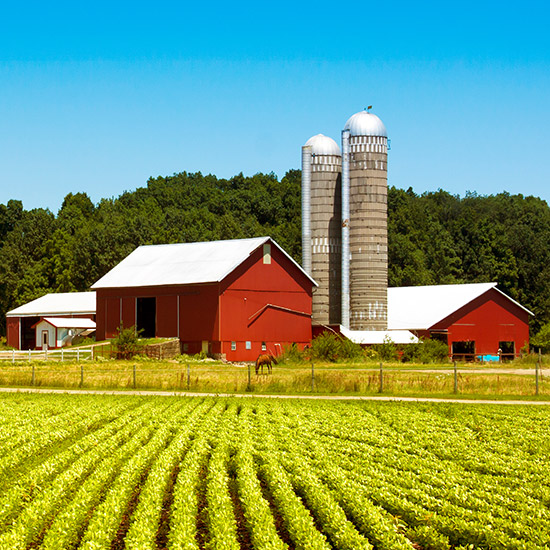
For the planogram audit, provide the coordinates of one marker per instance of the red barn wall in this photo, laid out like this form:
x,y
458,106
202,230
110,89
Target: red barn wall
x,y
12,331
488,320
197,310
232,311
268,303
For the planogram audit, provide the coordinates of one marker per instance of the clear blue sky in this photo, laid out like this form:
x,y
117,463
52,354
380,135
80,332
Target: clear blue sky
x,y
99,96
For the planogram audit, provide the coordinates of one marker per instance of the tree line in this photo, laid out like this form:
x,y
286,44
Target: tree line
x,y
434,238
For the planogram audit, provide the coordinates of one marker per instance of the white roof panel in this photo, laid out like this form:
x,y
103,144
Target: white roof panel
x,y
63,303
70,322
183,263
421,307
379,336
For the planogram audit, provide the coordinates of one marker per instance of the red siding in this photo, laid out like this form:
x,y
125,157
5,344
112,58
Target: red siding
x,y
12,330
268,303
489,319
234,310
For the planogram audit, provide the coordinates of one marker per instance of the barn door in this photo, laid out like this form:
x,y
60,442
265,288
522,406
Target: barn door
x,y
45,339
146,317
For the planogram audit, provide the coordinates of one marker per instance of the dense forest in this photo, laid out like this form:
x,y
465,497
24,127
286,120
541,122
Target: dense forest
x,y
434,238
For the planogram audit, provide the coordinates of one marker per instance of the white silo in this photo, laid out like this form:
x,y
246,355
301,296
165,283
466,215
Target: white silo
x,y
321,225
364,223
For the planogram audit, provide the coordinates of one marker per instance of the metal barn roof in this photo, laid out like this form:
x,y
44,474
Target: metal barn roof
x,y
69,322
64,303
379,336
183,263
421,307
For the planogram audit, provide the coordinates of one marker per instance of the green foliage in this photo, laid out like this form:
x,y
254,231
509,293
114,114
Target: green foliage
x,y
433,238
331,347
541,340
426,351
126,342
387,351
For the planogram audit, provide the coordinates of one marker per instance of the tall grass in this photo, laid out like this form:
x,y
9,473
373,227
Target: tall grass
x,y
297,379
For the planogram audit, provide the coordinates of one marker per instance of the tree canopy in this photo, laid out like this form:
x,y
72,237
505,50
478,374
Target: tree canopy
x,y
434,238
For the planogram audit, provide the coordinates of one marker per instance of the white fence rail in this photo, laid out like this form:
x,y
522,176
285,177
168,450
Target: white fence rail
x,y
78,354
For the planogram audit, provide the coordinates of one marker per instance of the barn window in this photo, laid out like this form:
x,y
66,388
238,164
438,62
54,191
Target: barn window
x,y
464,350
507,350
233,346
267,253
264,347
248,344
185,348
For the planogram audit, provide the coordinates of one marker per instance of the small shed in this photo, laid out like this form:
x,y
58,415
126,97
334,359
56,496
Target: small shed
x,y
56,332
234,298
476,320
21,321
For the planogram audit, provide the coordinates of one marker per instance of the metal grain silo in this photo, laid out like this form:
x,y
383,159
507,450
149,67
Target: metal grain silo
x,y
321,227
364,223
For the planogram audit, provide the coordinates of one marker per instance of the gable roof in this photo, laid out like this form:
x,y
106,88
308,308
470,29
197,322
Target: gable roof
x,y
184,263
421,307
63,303
68,322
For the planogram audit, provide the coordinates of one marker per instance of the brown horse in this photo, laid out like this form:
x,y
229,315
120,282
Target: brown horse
x,y
265,359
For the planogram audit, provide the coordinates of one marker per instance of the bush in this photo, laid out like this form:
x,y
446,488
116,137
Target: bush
x,y
331,347
126,342
386,351
426,351
292,354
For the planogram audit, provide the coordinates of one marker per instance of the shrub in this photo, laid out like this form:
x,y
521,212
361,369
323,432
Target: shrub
x,y
386,351
331,347
426,351
292,354
126,342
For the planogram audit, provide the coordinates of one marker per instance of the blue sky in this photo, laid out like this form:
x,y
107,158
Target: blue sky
x,y
98,97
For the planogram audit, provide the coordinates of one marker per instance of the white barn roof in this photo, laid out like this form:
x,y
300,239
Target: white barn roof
x,y
184,263
421,307
70,322
63,303
379,336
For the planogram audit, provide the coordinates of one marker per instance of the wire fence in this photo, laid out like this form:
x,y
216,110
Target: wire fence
x,y
302,379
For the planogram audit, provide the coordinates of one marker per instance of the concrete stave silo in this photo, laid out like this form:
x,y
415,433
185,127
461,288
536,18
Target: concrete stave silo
x,y
368,240
321,225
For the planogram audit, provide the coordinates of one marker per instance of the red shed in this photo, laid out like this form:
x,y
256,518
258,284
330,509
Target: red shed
x,y
476,320
21,321
235,298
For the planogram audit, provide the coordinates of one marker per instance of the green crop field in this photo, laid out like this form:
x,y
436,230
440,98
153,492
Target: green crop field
x,y
184,473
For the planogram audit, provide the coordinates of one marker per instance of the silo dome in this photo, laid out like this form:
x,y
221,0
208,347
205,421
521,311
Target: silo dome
x,y
364,123
323,145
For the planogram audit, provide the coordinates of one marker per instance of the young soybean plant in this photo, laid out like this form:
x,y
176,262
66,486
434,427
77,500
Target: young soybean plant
x,y
257,513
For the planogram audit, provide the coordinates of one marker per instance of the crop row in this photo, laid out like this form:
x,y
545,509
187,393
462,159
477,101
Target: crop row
x,y
146,473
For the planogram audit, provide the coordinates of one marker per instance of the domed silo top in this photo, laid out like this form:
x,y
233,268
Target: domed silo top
x,y
364,123
323,145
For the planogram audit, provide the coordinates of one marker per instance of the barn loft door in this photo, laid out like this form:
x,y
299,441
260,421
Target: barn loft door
x,y
146,317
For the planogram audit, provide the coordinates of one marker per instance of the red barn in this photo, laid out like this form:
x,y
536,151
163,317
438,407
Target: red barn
x,y
475,320
234,298
21,321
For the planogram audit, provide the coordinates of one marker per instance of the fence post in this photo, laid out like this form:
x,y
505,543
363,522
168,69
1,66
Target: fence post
x,y
455,390
312,377
78,355
81,375
33,376
537,369
248,387
29,355
381,387
134,377
62,355
189,376
13,356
